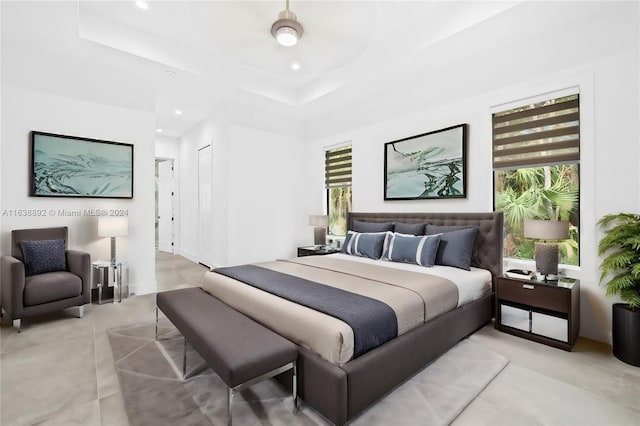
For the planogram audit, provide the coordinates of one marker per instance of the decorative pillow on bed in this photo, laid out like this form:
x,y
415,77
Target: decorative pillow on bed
x,y
456,247
42,256
420,250
409,228
369,227
364,244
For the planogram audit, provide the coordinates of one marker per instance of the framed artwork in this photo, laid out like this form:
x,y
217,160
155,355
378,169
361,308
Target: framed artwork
x,y
427,166
70,166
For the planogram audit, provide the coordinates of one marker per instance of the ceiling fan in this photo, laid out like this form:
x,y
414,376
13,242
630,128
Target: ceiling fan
x,y
286,29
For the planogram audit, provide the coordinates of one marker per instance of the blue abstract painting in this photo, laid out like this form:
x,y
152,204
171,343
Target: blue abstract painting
x,y
69,166
431,165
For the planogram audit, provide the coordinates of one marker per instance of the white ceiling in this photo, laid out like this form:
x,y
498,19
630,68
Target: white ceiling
x,y
207,56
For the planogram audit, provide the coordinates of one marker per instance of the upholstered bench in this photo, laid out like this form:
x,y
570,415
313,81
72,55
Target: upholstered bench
x,y
241,351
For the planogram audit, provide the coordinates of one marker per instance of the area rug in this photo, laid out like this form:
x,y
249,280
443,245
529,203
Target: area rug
x,y
150,374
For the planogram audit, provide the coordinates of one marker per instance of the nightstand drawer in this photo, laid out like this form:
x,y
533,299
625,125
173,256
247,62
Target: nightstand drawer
x,y
550,326
532,294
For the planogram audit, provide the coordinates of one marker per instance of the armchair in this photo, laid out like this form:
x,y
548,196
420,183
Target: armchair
x,y
27,291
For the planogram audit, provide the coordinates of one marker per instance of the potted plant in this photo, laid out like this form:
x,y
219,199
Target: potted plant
x,y
621,244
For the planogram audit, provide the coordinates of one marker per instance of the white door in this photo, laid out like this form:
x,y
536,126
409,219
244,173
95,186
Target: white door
x,y
205,207
165,206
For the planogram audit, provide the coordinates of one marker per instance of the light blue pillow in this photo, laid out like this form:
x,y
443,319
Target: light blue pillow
x,y
365,244
420,250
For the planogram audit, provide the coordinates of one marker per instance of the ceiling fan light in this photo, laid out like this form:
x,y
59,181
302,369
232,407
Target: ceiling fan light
x,y
287,36
286,29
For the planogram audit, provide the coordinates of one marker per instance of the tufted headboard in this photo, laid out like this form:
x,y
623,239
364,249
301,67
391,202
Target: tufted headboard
x,y
487,249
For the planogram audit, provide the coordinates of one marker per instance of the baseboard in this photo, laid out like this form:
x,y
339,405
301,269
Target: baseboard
x,y
143,288
187,254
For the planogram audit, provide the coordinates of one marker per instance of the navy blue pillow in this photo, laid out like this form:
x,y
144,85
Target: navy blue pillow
x,y
360,226
456,247
42,256
419,250
364,244
409,228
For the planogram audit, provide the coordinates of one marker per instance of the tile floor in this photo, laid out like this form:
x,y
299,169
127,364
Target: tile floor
x,y
59,371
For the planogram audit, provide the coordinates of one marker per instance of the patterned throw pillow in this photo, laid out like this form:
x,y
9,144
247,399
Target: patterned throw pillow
x,y
42,256
364,244
419,250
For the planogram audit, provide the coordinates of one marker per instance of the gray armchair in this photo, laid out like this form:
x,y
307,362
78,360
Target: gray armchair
x,y
27,293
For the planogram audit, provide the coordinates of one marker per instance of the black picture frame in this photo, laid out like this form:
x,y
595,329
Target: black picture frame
x,y
427,166
79,167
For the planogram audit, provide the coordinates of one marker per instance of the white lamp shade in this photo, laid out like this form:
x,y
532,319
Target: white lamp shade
x,y
546,229
113,226
319,220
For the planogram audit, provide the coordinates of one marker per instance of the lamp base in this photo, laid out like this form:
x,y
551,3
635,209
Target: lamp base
x,y
320,236
547,259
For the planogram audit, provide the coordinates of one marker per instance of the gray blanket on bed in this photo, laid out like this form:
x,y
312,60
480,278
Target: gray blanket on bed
x,y
373,322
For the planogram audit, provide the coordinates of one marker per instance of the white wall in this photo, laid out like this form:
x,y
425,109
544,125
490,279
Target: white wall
x,y
211,132
25,110
257,188
167,147
609,157
266,218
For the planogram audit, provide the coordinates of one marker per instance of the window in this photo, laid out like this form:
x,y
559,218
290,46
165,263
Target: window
x,y
338,185
536,156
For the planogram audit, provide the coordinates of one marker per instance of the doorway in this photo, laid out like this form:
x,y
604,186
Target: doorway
x,y
164,206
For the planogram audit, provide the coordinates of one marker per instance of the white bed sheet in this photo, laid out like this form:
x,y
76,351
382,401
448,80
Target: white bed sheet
x,y
472,285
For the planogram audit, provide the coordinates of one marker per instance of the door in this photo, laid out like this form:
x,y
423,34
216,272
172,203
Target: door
x,y
165,206
205,207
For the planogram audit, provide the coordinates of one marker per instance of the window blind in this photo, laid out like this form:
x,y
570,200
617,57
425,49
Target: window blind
x,y
337,166
541,134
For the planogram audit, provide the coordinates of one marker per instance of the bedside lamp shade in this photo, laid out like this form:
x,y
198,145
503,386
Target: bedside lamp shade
x,y
546,254
320,223
113,226
110,226
546,229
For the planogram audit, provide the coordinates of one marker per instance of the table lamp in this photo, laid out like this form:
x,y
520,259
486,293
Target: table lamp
x,y
546,254
320,222
113,226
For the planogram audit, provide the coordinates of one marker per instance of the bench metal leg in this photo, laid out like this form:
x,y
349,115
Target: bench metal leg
x,y
296,407
17,325
184,360
229,402
156,323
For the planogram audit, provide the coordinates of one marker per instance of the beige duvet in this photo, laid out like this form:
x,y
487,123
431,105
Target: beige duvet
x,y
414,297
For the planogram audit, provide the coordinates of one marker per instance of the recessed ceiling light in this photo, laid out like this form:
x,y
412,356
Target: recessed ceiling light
x,y
159,130
295,66
142,5
178,112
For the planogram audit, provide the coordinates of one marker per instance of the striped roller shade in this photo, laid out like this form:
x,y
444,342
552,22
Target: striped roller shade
x,y
541,134
337,167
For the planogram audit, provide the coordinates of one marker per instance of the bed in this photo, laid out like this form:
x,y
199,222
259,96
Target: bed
x,y
338,379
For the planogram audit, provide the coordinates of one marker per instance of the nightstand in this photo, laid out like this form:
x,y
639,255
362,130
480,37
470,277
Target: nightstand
x,y
316,251
545,312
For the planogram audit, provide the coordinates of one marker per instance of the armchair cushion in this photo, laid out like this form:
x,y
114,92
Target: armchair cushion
x,y
41,256
51,286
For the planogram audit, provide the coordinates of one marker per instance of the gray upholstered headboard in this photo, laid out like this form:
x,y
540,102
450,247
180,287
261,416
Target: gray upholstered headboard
x,y
487,250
